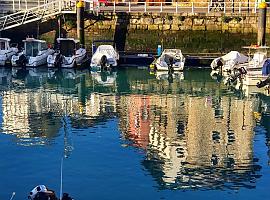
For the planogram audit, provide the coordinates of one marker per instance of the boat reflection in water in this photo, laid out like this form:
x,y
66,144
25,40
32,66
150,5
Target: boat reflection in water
x,y
35,101
195,133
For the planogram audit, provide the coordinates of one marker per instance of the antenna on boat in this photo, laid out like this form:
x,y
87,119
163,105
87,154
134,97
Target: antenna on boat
x,y
61,179
67,151
12,196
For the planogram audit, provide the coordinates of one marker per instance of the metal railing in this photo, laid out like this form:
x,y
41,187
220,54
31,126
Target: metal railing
x,y
37,13
179,7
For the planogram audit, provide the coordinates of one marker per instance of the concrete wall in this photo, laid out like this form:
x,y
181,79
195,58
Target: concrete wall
x,y
235,24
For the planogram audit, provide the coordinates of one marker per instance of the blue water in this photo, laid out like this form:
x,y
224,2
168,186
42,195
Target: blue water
x,y
131,134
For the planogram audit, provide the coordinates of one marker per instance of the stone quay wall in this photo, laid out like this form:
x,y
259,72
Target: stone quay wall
x,y
240,23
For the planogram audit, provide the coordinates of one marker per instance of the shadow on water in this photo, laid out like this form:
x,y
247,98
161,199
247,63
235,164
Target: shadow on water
x,y
195,134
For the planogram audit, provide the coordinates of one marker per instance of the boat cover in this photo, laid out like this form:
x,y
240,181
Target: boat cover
x,y
235,56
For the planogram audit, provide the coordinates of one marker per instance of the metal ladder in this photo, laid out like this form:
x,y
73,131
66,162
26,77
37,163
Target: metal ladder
x,y
38,13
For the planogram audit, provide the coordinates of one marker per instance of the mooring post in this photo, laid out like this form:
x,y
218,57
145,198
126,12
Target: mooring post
x,y
80,21
261,23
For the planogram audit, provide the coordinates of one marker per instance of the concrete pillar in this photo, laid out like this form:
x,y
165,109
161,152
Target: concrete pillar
x,y
261,24
80,21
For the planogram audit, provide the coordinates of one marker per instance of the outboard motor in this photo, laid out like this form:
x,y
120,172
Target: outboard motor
x,y
219,63
58,60
237,73
263,83
170,65
22,60
103,61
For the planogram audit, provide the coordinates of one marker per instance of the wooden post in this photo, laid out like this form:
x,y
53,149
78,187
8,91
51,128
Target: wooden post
x,y
80,21
261,24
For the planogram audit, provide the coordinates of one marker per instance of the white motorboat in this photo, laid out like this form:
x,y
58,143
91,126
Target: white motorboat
x,y
34,54
170,59
6,51
69,54
253,71
105,56
228,61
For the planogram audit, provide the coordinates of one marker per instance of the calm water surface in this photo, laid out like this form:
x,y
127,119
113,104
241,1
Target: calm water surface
x,y
131,134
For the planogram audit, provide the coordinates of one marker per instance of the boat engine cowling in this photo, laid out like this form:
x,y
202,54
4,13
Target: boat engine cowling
x,y
22,60
58,60
218,63
103,61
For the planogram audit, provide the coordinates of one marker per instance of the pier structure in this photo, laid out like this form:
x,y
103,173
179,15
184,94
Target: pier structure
x,y
17,12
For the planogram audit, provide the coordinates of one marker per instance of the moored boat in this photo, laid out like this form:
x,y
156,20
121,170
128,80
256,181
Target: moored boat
x,y
34,54
105,56
228,61
6,51
69,54
170,59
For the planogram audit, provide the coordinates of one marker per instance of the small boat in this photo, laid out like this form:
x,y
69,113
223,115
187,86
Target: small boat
x,y
105,56
228,61
34,54
170,59
41,192
6,51
252,72
69,54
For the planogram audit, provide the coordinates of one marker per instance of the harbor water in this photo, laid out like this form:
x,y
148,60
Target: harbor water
x,y
132,134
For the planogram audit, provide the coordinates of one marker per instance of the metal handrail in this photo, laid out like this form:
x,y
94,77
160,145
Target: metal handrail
x,y
178,7
36,13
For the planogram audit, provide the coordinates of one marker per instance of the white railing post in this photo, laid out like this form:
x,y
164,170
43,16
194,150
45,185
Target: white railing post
x,y
192,7
60,6
145,6
208,7
161,7
113,6
255,7
19,4
176,7
129,6
239,7
13,5
26,4
224,7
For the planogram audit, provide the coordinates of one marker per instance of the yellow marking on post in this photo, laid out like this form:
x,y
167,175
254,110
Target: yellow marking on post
x,y
80,4
262,5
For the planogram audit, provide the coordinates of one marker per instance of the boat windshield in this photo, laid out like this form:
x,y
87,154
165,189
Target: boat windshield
x,y
32,48
67,47
2,45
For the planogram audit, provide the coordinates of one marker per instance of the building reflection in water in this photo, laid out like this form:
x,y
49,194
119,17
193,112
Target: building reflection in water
x,y
192,141
194,134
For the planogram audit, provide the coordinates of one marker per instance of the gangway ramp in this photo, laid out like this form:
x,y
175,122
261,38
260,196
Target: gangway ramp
x,y
37,13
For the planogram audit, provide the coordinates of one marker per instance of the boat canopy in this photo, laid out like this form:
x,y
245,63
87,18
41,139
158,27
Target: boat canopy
x,y
172,51
67,47
235,56
33,46
106,49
